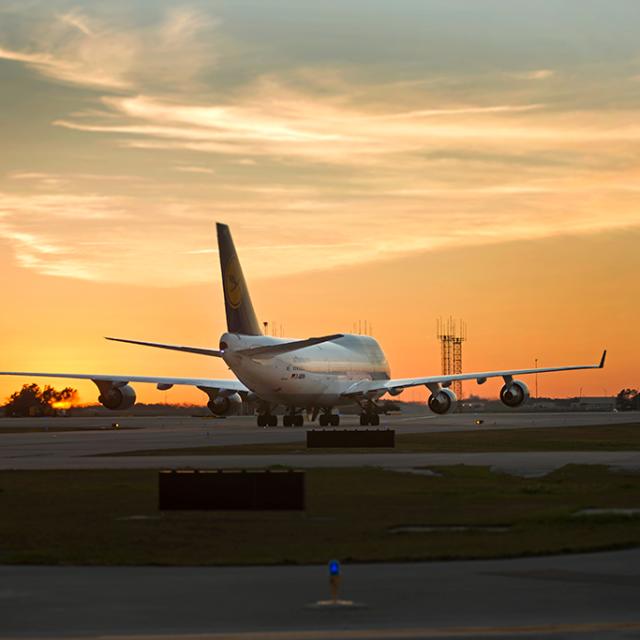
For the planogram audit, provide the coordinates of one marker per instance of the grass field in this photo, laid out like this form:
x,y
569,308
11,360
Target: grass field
x,y
109,517
618,437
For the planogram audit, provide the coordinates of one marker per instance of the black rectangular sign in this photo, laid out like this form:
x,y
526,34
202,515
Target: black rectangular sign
x,y
363,438
231,490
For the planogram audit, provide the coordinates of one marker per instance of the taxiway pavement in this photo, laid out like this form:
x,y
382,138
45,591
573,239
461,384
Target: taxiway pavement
x,y
84,448
578,596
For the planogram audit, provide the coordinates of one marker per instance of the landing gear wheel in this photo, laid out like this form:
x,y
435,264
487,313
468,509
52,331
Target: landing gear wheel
x,y
272,421
323,420
334,419
372,419
298,420
262,420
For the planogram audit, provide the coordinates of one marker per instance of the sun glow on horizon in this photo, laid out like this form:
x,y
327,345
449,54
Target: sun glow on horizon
x,y
62,405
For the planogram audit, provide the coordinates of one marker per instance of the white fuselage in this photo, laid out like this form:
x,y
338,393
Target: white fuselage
x,y
315,376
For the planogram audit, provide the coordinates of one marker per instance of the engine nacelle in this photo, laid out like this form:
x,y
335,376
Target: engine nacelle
x,y
221,405
514,393
442,402
118,398
395,392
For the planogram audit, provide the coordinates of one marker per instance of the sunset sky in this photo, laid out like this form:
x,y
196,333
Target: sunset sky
x,y
388,161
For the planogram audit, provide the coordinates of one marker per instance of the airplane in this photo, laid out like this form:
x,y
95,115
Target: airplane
x,y
313,375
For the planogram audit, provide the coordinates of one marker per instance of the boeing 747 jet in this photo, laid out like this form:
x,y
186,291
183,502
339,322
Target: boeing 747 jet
x,y
313,375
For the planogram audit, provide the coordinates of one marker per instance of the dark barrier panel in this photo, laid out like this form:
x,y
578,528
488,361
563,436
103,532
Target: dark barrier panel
x,y
364,438
231,490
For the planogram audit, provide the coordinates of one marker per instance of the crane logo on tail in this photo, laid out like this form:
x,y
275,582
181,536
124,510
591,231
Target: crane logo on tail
x,y
233,282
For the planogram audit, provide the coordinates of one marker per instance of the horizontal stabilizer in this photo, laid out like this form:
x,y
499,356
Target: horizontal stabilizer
x,y
174,347
271,350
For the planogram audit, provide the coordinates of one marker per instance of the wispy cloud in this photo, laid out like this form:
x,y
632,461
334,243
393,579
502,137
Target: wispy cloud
x,y
76,19
286,125
75,48
42,179
332,168
297,126
460,111
536,74
54,233
194,169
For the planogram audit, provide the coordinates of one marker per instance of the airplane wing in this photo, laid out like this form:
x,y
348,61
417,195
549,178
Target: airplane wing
x,y
364,387
162,383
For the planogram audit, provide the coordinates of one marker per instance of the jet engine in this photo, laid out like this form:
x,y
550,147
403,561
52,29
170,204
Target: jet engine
x,y
442,402
222,405
116,398
514,393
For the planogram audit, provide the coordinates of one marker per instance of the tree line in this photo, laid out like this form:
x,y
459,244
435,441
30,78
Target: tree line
x,y
33,401
628,400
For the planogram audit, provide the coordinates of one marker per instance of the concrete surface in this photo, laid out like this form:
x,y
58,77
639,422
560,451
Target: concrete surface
x,y
591,595
81,449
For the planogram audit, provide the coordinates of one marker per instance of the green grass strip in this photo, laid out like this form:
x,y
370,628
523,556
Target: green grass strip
x,y
110,517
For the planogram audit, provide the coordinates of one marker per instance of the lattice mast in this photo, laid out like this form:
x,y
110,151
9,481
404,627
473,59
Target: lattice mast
x,y
452,334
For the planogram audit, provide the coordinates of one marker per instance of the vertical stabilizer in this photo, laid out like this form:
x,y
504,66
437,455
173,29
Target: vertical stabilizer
x,y
241,317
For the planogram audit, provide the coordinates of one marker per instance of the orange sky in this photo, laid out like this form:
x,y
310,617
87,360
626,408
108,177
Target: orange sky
x,y
560,300
394,164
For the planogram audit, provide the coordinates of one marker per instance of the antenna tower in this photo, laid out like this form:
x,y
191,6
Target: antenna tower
x,y
452,334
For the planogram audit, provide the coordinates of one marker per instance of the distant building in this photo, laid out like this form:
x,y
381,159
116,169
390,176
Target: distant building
x,y
544,405
473,405
597,403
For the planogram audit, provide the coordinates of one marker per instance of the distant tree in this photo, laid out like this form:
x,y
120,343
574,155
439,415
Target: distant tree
x,y
628,400
31,400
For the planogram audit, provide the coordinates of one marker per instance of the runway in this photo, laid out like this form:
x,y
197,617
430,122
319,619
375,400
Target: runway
x,y
82,449
591,595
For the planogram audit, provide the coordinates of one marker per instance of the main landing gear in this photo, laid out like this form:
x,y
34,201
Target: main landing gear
x,y
369,418
267,420
369,415
329,419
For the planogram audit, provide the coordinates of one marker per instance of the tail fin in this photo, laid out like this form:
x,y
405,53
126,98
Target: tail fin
x,y
241,317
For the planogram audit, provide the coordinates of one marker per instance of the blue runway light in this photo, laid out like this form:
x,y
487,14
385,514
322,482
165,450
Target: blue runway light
x,y
334,568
